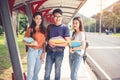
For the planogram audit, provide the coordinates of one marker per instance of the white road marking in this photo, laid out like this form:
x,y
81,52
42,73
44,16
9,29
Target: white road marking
x,y
104,47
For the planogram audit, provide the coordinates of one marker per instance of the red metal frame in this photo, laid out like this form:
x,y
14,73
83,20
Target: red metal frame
x,y
47,15
24,75
49,18
38,4
34,7
11,3
22,8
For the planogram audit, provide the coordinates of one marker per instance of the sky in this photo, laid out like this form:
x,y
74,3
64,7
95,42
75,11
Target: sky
x,y
92,7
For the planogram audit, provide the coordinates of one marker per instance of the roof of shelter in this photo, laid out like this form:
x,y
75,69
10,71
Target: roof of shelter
x,y
69,7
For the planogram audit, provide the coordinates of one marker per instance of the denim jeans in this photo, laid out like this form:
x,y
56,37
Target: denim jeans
x,y
74,61
33,63
53,57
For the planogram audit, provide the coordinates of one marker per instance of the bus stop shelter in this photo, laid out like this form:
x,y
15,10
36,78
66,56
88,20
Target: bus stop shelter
x,y
28,7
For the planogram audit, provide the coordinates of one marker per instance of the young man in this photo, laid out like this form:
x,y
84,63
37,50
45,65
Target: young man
x,y
55,52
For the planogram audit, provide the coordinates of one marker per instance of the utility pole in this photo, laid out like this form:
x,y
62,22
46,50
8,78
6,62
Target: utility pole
x,y
100,17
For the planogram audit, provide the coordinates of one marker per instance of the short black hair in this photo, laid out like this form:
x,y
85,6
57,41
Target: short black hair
x,y
57,11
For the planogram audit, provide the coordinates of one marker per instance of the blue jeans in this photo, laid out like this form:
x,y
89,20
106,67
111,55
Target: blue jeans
x,y
74,61
33,63
53,57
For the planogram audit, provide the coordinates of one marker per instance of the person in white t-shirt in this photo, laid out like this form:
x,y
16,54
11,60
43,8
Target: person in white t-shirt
x,y
76,53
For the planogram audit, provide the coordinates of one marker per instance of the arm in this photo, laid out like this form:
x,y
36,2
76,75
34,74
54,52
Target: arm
x,y
42,57
27,34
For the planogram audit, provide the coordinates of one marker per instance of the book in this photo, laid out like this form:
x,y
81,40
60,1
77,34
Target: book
x,y
75,44
58,40
28,39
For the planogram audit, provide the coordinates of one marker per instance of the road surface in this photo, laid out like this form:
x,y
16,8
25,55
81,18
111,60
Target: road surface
x,y
104,53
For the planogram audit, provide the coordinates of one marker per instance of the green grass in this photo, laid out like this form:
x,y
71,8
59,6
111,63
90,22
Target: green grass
x,y
5,62
116,34
21,46
113,34
4,56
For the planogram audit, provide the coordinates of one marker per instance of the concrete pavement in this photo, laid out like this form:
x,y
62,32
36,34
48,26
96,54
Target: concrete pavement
x,y
84,72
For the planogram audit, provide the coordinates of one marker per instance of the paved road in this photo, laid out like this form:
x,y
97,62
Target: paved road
x,y
105,52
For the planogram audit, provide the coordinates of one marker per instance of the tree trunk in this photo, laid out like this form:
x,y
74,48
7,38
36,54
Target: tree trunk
x,y
114,30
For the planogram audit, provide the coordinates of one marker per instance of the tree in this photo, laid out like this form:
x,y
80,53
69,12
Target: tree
x,y
107,19
97,18
116,11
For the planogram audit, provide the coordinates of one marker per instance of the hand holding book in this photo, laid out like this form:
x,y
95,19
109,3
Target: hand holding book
x,y
30,41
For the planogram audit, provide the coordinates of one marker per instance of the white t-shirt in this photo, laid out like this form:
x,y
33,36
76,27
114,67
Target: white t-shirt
x,y
79,37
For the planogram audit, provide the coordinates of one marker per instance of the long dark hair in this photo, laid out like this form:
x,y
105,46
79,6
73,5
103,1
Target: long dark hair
x,y
81,26
33,24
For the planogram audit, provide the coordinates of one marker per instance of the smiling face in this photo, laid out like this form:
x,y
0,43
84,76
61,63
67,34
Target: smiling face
x,y
57,18
37,19
76,24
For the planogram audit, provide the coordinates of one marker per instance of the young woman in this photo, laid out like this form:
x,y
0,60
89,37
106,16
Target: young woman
x,y
75,56
36,49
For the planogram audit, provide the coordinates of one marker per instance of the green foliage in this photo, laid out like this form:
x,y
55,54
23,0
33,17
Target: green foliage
x,y
5,62
107,19
89,23
116,9
92,27
22,20
1,30
110,18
